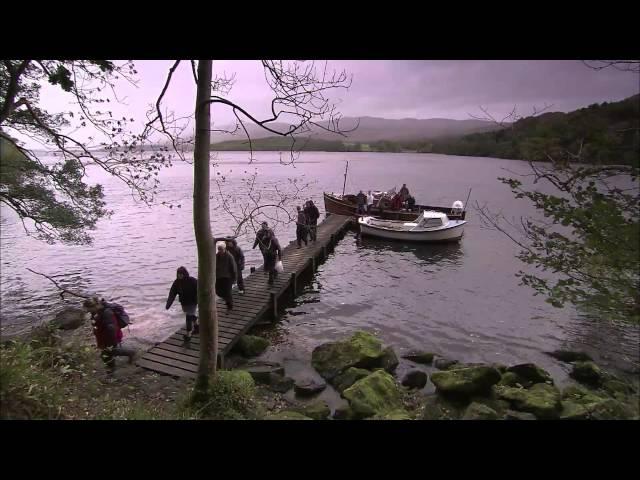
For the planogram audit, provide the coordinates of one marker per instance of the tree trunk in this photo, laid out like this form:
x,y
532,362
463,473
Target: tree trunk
x,y
202,226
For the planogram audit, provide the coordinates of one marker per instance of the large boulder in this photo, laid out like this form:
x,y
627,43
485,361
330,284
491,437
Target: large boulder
x,y
569,356
530,374
542,400
349,377
317,410
465,381
440,408
251,346
287,415
69,318
425,358
478,411
374,394
415,379
510,379
362,350
308,387
588,373
262,371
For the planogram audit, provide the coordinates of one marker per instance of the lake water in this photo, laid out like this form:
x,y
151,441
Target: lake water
x,y
461,300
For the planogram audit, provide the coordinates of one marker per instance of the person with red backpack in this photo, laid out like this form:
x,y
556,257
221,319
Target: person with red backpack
x,y
108,332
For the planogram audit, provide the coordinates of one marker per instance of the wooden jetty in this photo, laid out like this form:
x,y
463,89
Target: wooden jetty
x,y
175,357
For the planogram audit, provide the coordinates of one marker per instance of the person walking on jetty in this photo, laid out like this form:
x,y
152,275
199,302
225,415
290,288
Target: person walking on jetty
x,y
186,288
301,227
313,214
238,255
273,253
262,239
108,333
225,274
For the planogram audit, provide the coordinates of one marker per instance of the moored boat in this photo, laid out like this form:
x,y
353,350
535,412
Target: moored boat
x,y
430,226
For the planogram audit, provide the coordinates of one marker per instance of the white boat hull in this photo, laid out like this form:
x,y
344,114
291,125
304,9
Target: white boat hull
x,y
452,232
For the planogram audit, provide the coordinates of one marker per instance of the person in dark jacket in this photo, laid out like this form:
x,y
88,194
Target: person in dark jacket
x,y
262,239
238,255
273,253
313,214
225,274
108,333
186,287
361,200
301,227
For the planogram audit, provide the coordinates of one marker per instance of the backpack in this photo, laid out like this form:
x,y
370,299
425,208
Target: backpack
x,y
121,316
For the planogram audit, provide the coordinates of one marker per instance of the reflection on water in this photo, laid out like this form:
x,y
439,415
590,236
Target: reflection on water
x,y
447,253
461,300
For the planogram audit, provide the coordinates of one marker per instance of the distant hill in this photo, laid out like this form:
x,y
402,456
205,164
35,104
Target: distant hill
x,y
372,129
609,134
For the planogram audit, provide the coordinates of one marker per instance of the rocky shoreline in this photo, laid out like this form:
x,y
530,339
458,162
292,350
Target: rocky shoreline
x,y
361,370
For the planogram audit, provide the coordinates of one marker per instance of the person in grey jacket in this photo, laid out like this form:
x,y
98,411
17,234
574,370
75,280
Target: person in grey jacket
x,y
225,274
234,249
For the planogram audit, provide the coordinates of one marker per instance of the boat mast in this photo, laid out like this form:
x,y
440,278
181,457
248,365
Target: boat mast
x,y
345,178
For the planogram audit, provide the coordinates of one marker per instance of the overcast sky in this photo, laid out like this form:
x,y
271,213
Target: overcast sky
x,y
394,88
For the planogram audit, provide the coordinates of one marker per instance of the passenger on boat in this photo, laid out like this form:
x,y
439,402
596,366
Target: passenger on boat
x,y
301,227
404,193
411,201
396,203
361,198
369,201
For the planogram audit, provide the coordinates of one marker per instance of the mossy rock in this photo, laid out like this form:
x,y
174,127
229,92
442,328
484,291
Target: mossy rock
x,y
611,409
344,412
440,408
317,410
541,399
287,415
510,379
531,374
69,318
570,356
515,415
614,387
444,363
251,346
415,379
587,373
262,372
400,414
478,411
574,411
388,361
492,401
348,378
465,381
597,404
376,393
361,350
425,358
279,383
459,365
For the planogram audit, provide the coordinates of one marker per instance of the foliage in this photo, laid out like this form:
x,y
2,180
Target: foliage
x,y
604,134
49,194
